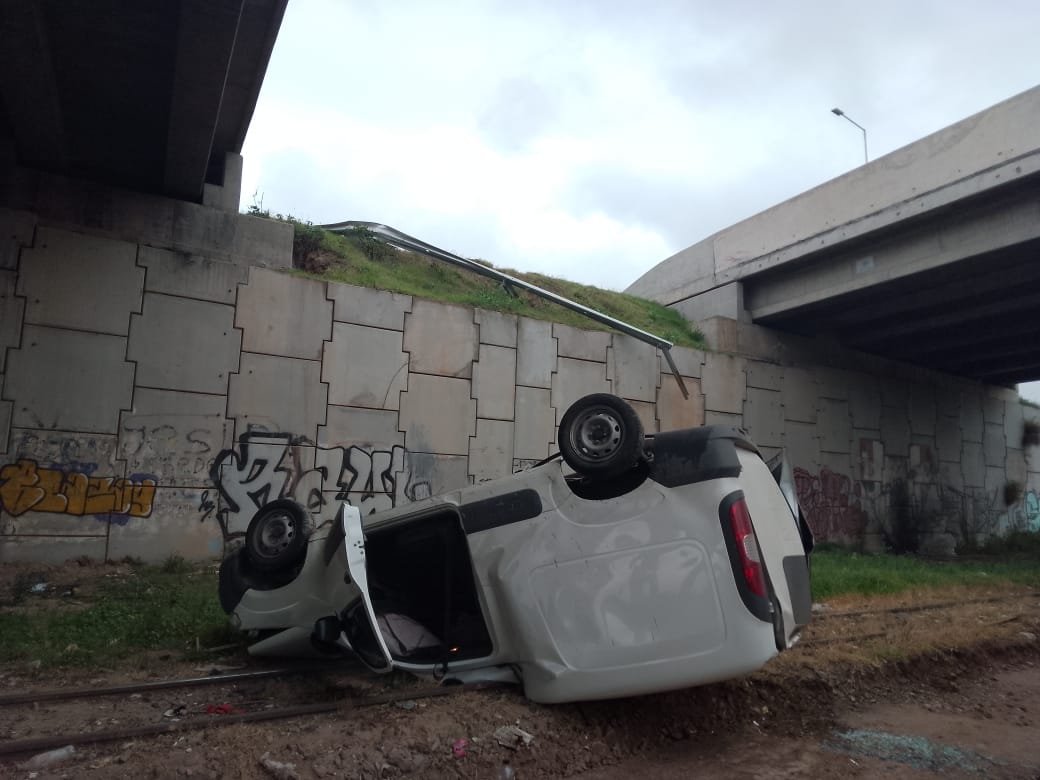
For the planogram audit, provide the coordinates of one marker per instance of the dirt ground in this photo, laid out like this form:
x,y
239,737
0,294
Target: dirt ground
x,y
950,691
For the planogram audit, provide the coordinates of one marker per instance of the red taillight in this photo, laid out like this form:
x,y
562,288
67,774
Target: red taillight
x,y
747,548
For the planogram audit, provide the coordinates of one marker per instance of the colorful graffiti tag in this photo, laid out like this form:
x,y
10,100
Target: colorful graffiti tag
x,y
267,466
1032,511
832,504
1026,516
26,487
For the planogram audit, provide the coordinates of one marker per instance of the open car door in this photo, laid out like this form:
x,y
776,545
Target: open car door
x,y
359,618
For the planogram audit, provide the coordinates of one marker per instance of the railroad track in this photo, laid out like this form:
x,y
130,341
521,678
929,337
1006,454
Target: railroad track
x,y
923,607
62,694
341,705
898,612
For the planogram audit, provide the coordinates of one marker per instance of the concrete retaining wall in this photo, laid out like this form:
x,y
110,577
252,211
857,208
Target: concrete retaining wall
x,y
881,450
161,378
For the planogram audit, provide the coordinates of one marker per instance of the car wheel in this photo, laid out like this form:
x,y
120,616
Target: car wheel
x,y
232,582
601,436
277,536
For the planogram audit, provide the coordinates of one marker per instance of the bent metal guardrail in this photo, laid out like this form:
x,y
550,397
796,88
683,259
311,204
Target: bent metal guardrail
x,y
404,241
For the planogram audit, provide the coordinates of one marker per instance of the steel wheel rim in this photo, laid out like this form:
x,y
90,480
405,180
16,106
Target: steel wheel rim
x,y
276,533
596,434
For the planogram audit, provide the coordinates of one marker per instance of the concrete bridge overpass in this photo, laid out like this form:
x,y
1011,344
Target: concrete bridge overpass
x,y
929,255
160,375
153,97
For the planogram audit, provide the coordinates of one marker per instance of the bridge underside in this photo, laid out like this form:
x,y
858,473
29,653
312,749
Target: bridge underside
x,y
957,293
151,96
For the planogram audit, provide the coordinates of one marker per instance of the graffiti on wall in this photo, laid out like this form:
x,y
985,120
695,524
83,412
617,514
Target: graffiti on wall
x,y
268,466
1026,515
25,486
832,503
907,499
182,451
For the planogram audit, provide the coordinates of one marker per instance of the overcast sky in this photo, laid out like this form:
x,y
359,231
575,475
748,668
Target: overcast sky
x,y
591,139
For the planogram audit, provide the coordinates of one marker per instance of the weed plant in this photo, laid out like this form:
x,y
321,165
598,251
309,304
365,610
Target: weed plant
x,y
172,606
362,259
837,572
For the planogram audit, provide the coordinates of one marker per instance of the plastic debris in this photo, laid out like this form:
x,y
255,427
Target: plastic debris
x,y
407,704
458,748
513,737
278,769
217,669
39,587
506,771
51,757
223,709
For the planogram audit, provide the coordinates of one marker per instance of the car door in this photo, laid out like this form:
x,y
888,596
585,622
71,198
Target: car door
x,y
359,620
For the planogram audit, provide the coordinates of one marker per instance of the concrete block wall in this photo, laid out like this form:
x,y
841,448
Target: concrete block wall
x,y
157,385
875,444
151,398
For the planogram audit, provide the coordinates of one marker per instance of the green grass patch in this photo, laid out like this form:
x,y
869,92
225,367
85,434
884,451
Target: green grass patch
x,y
837,572
172,606
363,260
1017,544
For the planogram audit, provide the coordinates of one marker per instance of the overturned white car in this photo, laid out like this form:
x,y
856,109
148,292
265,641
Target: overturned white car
x,y
661,562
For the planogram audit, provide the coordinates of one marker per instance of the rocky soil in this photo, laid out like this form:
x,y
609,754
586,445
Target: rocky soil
x,y
917,692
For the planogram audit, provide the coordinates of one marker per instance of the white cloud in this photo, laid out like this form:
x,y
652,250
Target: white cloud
x,y
593,138
1030,391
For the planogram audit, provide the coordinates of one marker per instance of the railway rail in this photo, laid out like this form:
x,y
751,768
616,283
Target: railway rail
x,y
341,706
825,617
62,694
922,607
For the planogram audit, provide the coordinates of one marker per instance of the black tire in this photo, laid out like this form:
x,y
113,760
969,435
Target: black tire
x,y
232,582
601,436
276,539
779,635
236,576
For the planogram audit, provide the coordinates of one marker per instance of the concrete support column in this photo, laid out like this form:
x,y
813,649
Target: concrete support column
x,y
227,196
725,301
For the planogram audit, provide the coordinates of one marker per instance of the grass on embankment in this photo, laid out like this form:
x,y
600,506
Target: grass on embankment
x,y
174,607
363,260
168,607
837,572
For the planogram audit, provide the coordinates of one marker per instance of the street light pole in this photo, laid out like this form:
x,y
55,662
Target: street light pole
x,y
839,112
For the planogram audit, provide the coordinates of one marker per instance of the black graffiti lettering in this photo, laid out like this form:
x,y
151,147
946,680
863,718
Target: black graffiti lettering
x,y
266,466
206,505
196,437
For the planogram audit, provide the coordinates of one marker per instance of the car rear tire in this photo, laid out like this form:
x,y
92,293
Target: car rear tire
x,y
601,436
277,536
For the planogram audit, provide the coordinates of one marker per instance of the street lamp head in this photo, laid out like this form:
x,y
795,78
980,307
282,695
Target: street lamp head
x,y
843,115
